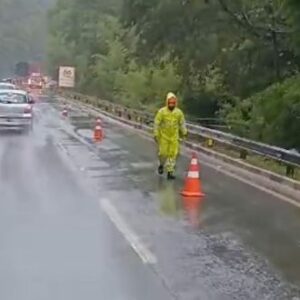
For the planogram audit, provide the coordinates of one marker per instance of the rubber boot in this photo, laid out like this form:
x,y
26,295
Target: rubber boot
x,y
171,176
160,170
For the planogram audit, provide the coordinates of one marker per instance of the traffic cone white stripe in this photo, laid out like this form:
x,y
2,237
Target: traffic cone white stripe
x,y
194,162
193,174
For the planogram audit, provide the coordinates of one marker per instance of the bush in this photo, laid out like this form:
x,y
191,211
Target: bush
x,y
273,115
147,86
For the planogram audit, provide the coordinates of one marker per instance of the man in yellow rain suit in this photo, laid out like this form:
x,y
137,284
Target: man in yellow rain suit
x,y
169,127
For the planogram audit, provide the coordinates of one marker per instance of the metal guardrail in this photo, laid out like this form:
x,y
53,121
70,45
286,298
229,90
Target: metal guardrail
x,y
210,137
273,152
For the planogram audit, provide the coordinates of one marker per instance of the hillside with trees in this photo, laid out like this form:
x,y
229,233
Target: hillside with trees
x,y
23,32
237,61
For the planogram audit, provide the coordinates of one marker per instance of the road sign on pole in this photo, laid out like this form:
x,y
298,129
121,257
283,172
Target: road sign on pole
x,y
66,77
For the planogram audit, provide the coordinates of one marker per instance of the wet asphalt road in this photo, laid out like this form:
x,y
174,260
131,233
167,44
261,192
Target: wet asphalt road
x,y
55,241
58,243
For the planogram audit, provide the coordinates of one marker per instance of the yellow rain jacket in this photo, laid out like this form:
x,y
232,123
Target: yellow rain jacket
x,y
169,126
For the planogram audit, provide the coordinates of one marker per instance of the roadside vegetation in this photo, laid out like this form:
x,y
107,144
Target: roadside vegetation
x,y
23,32
233,60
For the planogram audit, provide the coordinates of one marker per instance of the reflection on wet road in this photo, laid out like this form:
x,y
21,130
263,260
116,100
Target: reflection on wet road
x,y
57,243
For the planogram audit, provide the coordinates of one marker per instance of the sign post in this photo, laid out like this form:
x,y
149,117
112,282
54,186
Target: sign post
x,y
66,78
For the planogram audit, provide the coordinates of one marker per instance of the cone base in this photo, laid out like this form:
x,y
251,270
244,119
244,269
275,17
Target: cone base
x,y
192,194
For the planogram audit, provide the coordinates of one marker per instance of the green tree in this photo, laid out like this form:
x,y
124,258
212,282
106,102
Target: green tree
x,y
272,115
223,58
22,32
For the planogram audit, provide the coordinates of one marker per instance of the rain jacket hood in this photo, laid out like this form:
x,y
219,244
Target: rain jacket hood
x,y
169,97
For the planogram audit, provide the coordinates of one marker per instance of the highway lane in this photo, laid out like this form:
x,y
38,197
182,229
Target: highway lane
x,y
60,238
55,241
238,242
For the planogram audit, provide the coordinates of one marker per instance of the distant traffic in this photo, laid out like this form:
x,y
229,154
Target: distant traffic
x,y
17,98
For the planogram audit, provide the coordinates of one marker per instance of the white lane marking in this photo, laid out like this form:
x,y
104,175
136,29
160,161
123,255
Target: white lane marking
x,y
145,254
62,147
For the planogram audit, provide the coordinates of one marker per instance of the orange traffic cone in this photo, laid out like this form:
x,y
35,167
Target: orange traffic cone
x,y
65,111
98,132
193,186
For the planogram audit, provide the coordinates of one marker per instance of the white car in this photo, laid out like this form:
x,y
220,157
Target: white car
x,y
16,110
7,86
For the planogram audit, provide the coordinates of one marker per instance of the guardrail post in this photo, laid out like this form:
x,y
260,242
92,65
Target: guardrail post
x,y
139,121
290,171
127,114
243,154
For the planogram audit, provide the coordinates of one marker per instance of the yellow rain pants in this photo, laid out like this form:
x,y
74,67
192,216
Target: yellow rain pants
x,y
169,126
